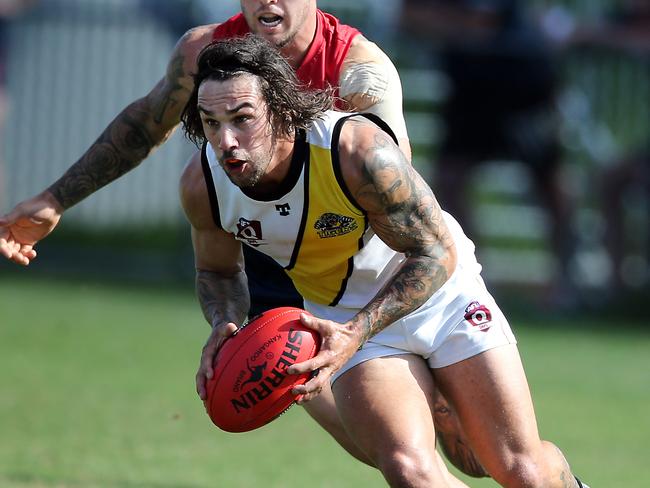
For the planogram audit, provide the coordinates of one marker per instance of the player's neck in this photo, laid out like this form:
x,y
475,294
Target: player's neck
x,y
296,50
277,171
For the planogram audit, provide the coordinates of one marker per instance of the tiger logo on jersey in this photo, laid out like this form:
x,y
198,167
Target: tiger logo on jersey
x,y
332,225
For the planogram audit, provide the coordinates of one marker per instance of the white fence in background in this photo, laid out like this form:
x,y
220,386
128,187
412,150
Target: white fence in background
x,y
73,66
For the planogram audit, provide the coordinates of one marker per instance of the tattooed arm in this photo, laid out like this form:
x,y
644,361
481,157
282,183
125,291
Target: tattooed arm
x,y
404,213
128,139
221,284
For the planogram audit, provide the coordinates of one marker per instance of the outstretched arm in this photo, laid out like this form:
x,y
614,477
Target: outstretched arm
x,y
404,213
128,139
221,284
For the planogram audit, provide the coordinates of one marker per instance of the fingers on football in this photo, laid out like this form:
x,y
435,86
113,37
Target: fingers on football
x,y
311,322
200,385
207,361
206,366
311,389
308,366
205,371
207,357
229,329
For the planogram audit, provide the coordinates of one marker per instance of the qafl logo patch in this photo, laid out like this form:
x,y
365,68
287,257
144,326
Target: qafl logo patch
x,y
332,225
479,316
249,231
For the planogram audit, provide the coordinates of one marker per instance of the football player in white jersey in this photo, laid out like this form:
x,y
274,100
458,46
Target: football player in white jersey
x,y
248,107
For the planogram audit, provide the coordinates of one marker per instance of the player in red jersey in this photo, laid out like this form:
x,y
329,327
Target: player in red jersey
x,y
321,49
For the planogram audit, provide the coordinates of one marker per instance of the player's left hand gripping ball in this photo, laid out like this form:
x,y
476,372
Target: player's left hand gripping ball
x,y
250,386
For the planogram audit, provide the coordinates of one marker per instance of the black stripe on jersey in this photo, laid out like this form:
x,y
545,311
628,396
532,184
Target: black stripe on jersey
x,y
303,219
209,182
344,283
336,160
382,124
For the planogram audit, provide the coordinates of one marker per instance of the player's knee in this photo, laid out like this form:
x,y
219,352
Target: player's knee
x,y
521,471
408,467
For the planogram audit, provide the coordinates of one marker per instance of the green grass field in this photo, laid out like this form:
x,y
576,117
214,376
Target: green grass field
x,y
97,390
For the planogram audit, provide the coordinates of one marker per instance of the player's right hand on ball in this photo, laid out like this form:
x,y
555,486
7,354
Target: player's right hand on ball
x,y
206,367
339,342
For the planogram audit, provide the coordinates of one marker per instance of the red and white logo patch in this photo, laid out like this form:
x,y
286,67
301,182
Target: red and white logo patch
x,y
249,231
478,315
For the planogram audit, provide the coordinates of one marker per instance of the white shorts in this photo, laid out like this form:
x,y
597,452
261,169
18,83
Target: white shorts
x,y
461,320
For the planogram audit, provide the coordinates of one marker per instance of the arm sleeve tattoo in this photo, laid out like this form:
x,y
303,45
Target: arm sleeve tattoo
x,y
222,298
405,214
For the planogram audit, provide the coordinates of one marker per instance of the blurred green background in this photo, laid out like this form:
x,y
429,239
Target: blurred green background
x,y
100,336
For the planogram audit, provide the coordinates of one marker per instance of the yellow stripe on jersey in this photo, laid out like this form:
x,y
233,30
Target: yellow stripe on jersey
x,y
333,232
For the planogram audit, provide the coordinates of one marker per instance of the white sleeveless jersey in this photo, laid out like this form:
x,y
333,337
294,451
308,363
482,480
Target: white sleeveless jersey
x,y
313,227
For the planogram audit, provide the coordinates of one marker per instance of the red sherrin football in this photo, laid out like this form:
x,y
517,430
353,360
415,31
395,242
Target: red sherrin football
x,y
250,386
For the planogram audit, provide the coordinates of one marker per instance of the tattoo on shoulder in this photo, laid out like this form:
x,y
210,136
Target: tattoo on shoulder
x,y
407,211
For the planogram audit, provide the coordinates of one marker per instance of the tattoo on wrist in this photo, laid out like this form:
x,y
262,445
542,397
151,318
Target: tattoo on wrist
x,y
222,299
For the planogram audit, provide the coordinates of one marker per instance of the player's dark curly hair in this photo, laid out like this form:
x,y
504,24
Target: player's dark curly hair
x,y
291,104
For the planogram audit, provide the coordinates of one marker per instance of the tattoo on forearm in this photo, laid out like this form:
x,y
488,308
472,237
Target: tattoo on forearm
x,y
222,298
406,215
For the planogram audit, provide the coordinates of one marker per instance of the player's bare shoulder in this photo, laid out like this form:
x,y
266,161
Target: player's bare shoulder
x,y
369,82
364,50
184,58
367,74
167,99
359,135
371,162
